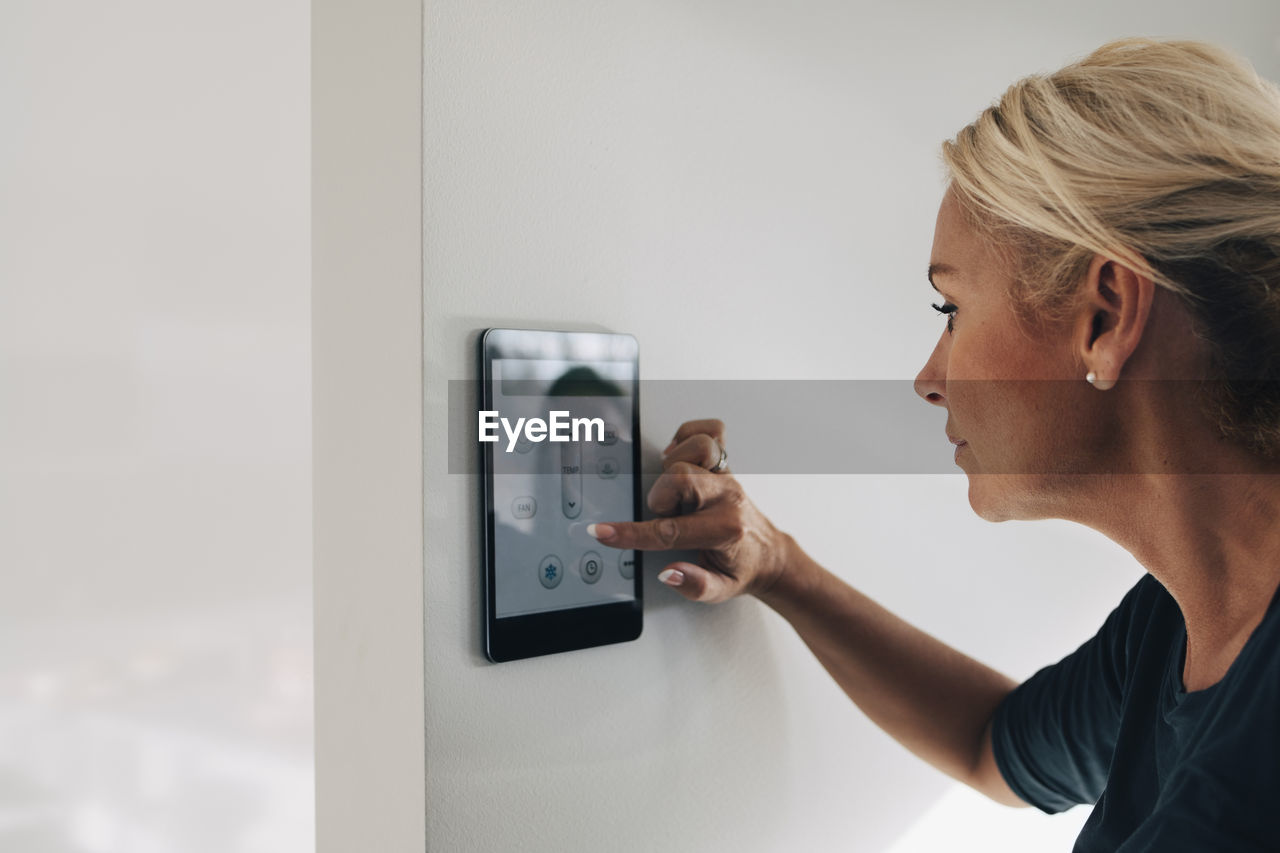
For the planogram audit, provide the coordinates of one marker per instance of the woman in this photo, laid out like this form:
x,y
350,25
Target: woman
x,y
1108,251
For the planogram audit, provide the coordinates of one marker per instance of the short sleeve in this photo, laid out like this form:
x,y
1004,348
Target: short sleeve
x,y
1054,735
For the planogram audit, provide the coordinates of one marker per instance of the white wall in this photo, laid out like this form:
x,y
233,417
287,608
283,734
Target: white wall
x,y
367,414
749,188
155,554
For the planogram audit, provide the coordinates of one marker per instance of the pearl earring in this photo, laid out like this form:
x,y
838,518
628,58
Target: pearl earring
x,y
1100,384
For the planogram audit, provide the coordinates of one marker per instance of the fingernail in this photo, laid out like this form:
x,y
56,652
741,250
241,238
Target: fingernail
x,y
671,577
601,531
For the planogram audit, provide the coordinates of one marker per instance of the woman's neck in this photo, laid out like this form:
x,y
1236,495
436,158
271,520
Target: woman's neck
x,y
1213,541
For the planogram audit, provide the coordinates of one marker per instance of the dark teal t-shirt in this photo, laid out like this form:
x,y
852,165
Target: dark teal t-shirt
x,y
1170,771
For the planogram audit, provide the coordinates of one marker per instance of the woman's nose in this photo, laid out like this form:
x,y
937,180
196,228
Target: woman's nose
x,y
931,381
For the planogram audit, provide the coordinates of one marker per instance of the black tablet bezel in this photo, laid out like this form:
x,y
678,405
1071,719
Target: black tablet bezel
x,y
516,637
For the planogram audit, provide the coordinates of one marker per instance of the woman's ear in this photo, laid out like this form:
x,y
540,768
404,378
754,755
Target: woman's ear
x,y
1114,306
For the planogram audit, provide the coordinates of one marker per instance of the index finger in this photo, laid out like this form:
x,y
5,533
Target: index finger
x,y
701,530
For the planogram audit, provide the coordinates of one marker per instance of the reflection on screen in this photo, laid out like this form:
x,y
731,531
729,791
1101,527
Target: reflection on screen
x,y
546,493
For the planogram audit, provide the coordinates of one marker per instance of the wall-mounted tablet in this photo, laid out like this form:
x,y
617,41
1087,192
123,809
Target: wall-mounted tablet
x,y
559,431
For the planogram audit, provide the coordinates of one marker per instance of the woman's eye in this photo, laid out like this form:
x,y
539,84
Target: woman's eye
x,y
950,310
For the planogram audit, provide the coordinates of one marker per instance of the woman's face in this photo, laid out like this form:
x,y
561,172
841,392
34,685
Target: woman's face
x,y
1016,399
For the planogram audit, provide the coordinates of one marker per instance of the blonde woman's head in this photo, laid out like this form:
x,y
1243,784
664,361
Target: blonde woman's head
x,y
1164,156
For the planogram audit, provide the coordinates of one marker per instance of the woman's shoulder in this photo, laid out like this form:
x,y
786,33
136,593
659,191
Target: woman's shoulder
x,y
1145,606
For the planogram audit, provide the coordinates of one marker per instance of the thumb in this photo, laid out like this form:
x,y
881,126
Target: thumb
x,y
696,583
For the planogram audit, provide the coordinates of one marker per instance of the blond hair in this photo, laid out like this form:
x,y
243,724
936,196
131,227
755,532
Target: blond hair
x,y
1165,156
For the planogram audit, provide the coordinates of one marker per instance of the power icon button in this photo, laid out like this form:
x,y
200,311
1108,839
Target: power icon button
x,y
591,567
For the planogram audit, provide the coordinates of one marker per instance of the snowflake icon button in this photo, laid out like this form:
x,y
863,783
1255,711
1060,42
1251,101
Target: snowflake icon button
x,y
551,571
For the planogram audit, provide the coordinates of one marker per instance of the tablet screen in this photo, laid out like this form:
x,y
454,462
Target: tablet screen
x,y
562,459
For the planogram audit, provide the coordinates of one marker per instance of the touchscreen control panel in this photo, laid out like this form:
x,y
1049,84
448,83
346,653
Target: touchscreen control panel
x,y
559,433
546,492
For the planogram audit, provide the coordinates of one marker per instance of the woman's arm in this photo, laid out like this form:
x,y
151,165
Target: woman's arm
x,y
932,699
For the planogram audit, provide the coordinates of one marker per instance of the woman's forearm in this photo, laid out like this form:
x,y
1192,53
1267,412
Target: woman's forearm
x,y
931,698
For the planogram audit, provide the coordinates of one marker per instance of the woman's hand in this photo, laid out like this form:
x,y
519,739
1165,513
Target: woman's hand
x,y
741,551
